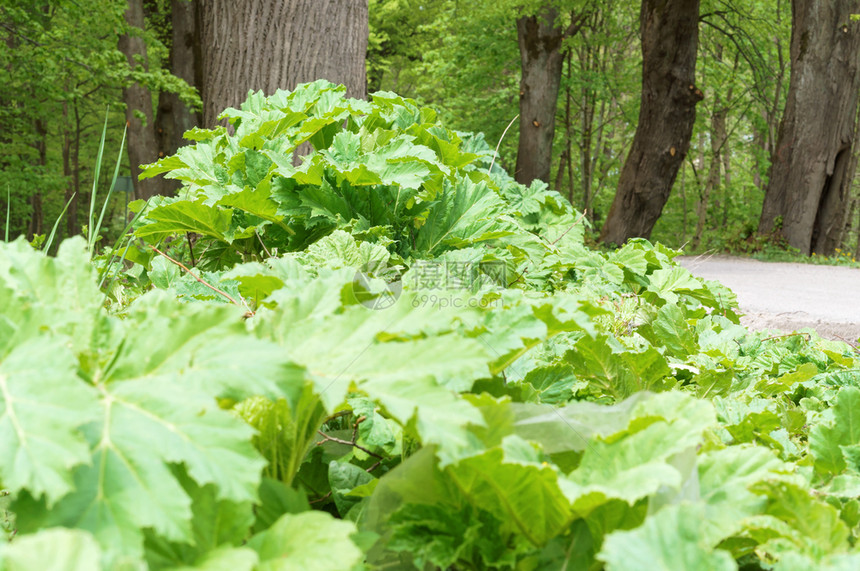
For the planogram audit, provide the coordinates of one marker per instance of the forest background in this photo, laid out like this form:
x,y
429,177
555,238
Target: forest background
x,y
69,68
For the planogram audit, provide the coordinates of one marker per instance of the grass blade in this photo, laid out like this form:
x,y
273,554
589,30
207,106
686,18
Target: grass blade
x,y
8,209
119,240
96,172
94,232
50,241
496,153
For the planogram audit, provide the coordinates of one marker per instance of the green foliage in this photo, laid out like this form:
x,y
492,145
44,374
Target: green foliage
x,y
387,172
427,369
60,68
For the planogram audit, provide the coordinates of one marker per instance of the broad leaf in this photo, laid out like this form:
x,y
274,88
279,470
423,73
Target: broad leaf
x,y
43,405
181,217
828,442
672,539
310,541
52,549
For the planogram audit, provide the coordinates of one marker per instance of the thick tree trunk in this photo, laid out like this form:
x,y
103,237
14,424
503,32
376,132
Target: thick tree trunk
x,y
670,32
540,41
812,164
831,220
277,44
142,143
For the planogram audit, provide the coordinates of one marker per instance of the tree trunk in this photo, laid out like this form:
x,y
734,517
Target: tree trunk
x,y
568,143
848,224
857,246
812,163
277,44
72,166
174,117
37,216
540,41
587,109
76,197
670,32
142,143
712,184
831,219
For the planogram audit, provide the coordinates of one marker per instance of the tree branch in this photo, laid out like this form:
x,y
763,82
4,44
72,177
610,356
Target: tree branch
x,y
207,284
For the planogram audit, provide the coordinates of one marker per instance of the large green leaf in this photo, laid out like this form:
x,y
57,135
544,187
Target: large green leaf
x,y
205,343
524,494
669,282
194,164
183,216
310,541
52,550
43,405
463,215
215,524
725,479
615,369
339,249
224,559
796,521
828,441
256,201
129,485
40,294
369,348
446,538
637,462
671,329
672,539
570,428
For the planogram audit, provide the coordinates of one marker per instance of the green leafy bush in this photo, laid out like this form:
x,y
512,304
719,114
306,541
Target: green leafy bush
x,y
387,357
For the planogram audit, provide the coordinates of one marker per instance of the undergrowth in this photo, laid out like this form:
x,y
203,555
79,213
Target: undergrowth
x,y
393,356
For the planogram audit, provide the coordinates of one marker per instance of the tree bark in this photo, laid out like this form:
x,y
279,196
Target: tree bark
x,y
540,41
71,153
277,44
857,246
812,164
718,138
174,117
142,142
37,216
670,31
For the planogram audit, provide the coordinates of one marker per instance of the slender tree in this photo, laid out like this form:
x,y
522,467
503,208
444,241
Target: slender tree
x,y
174,116
670,30
540,39
813,161
142,141
271,44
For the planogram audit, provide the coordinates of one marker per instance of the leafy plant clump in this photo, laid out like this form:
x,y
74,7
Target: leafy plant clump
x,y
385,354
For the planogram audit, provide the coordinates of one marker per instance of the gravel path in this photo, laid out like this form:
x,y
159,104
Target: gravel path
x,y
786,297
